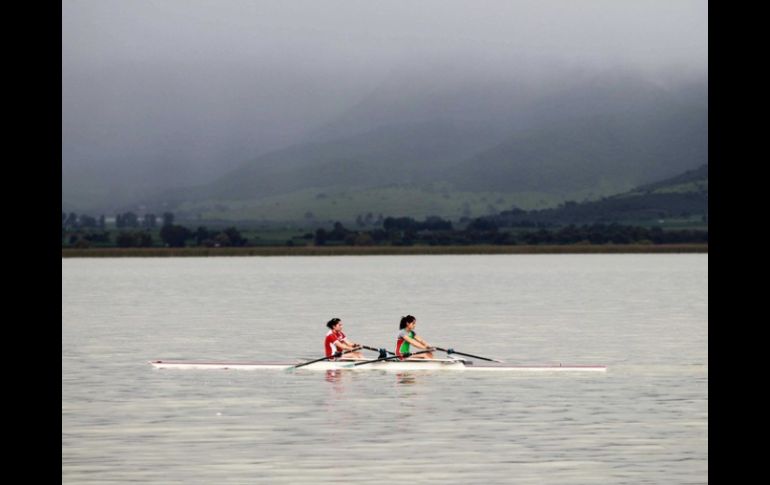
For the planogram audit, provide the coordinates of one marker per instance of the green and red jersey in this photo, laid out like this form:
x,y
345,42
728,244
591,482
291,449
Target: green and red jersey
x,y
402,345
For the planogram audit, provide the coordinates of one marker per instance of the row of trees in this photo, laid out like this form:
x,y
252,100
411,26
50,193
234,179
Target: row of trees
x,y
171,235
402,231
85,231
406,232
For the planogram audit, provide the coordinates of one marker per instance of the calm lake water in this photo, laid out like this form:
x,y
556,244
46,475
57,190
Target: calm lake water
x,y
644,421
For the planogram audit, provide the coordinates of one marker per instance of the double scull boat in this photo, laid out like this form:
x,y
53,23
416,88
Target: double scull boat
x,y
454,364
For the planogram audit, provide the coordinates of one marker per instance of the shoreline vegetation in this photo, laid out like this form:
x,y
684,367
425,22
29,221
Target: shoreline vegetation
x,y
382,250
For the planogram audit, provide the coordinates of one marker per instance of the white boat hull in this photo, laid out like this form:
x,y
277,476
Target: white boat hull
x,y
391,365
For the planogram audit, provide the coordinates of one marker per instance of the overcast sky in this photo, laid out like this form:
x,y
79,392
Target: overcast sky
x,y
213,82
314,34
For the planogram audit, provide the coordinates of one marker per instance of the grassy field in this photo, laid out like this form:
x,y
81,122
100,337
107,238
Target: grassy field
x,y
317,206
382,250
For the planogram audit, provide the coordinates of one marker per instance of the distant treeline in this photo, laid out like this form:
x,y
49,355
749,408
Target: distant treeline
x,y
133,232
406,232
312,250
402,231
172,235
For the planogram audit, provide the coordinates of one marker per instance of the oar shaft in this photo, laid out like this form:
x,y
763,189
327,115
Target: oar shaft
x,y
311,362
322,358
452,351
375,350
343,353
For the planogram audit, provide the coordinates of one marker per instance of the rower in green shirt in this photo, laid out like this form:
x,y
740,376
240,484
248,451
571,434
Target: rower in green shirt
x,y
407,337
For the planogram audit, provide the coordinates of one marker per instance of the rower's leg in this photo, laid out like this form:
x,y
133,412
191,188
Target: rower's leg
x,y
353,356
428,355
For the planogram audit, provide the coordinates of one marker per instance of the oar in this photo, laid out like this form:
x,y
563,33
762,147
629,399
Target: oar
x,y
382,359
453,351
376,350
319,360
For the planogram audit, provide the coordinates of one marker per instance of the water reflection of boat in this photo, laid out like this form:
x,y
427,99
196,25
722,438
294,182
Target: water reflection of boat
x,y
333,375
406,378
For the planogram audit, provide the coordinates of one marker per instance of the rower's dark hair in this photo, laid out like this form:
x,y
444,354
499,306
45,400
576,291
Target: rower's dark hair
x,y
331,323
405,321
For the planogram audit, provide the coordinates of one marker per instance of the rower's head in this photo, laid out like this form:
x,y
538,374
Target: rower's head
x,y
332,324
405,321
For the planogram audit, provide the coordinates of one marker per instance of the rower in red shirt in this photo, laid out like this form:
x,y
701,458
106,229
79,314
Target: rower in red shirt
x,y
336,342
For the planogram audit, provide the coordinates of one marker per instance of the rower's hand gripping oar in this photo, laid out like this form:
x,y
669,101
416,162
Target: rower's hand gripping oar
x,y
453,351
392,357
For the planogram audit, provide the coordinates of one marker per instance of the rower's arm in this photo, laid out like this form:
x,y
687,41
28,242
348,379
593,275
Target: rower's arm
x,y
344,345
416,341
425,344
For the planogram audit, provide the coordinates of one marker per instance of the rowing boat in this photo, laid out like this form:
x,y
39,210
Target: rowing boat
x,y
389,365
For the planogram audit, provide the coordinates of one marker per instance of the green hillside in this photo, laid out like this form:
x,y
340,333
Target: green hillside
x,y
682,199
321,205
691,181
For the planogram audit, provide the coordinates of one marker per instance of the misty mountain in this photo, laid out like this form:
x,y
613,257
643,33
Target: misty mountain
x,y
402,154
129,130
200,104
605,149
506,102
594,132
